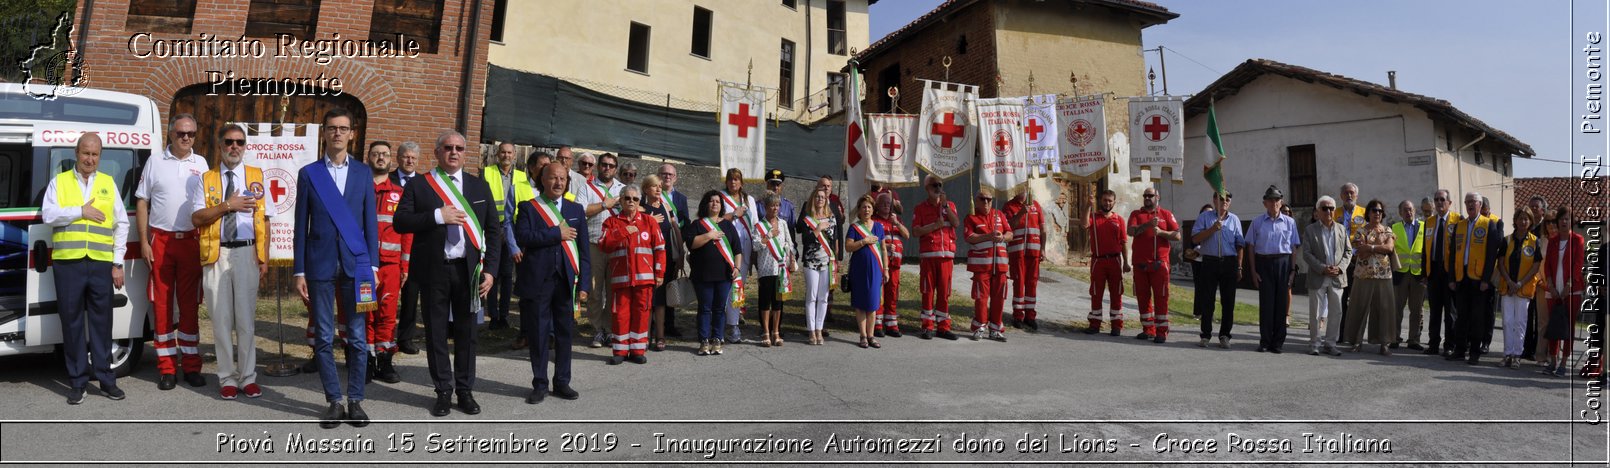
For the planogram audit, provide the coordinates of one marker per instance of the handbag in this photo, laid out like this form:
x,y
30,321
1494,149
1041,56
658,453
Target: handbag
x,y
1559,326
679,294
844,283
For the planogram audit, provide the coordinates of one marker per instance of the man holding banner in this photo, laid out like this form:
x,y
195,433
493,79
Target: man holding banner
x,y
935,225
337,251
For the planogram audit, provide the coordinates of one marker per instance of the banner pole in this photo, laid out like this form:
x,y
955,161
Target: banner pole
x,y
280,368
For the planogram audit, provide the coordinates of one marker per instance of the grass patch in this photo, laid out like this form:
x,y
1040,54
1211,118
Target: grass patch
x,y
1181,299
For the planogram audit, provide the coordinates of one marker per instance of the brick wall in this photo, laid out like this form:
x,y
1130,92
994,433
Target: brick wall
x,y
406,99
922,57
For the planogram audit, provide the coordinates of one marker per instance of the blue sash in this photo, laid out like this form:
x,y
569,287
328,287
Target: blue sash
x,y
345,223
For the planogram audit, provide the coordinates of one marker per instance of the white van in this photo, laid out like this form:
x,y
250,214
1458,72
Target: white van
x,y
37,140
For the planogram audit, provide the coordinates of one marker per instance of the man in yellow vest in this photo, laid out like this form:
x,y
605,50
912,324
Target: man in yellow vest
x,y
1409,282
1472,245
1350,215
510,188
231,214
90,235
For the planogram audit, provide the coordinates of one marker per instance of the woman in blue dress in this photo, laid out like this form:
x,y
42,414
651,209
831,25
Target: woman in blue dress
x,y
864,240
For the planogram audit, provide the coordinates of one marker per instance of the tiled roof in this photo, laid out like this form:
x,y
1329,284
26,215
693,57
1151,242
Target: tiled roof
x,y
1560,191
1231,83
1156,12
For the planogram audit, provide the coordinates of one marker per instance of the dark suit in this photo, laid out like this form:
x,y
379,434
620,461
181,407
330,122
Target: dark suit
x,y
544,282
408,311
446,284
329,268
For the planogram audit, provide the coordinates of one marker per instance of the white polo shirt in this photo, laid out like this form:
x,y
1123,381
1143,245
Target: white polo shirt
x,y
588,193
165,186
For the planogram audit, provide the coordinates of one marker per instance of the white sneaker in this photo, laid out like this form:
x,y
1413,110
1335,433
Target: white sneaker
x,y
598,341
978,334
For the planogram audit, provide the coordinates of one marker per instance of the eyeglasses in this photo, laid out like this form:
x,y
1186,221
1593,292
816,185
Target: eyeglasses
x,y
1149,195
607,166
1440,199
186,135
629,174
935,185
666,174
234,142
338,129
1327,208
373,153
986,199
631,199
453,149
585,164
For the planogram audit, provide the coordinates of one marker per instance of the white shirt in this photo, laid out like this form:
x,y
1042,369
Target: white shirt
x,y
588,196
243,220
339,173
165,186
59,216
404,178
455,250
576,182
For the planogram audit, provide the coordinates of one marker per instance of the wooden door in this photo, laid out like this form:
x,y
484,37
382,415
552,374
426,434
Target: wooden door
x,y
213,112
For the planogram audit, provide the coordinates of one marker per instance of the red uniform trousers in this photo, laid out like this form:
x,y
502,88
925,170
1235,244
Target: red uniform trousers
x,y
1107,274
888,318
383,321
1151,291
934,280
175,280
1024,269
631,310
989,291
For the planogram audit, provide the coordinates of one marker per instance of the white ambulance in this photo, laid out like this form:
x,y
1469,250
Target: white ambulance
x,y
37,140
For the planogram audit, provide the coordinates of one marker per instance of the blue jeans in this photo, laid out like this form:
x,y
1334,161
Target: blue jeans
x,y
713,300
323,295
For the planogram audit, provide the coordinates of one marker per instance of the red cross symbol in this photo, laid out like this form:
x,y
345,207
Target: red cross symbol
x,y
1034,128
1002,143
742,120
1156,129
275,189
891,146
948,130
1080,128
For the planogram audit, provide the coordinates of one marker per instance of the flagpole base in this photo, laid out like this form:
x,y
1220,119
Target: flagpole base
x,y
282,369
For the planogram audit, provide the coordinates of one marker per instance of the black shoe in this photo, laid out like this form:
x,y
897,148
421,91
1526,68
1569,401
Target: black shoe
x,y
536,396
926,334
1143,336
1430,350
1262,349
878,333
385,371
565,392
638,359
616,360
947,334
333,416
1475,358
167,382
369,371
112,392
1092,330
1018,324
893,333
1416,347
407,347
1454,357
1275,350
498,324
467,404
195,380
355,415
1159,339
1033,324
1116,331
311,366
75,396
443,405
1392,346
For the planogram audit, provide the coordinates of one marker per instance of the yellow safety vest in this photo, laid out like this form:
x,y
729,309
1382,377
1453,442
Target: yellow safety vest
x,y
1409,255
522,187
85,238
1477,237
1530,255
212,184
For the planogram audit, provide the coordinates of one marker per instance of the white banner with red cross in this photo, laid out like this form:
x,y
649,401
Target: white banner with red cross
x,y
1082,148
280,157
893,163
743,129
1157,138
947,132
1004,164
1040,134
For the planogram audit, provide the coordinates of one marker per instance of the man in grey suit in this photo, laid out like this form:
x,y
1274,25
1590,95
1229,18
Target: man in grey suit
x,y
1327,252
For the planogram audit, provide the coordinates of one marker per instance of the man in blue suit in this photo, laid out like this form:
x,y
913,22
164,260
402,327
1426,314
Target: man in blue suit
x,y
551,231
328,268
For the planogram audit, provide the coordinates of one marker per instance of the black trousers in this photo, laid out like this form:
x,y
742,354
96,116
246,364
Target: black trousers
x,y
1274,273
84,300
546,314
1529,344
1441,315
408,311
447,293
1347,295
497,302
1216,274
1475,323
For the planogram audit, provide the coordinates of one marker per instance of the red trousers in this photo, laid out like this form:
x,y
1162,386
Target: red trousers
x,y
1107,275
935,284
1024,269
989,291
631,310
340,318
1559,351
175,280
383,321
888,317
1151,291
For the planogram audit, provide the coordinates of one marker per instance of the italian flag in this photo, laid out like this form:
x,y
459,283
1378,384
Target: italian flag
x,y
1213,169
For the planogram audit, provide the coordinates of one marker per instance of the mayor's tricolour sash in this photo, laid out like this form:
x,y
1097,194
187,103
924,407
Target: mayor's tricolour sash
x,y
877,247
722,245
550,215
451,196
769,234
363,284
832,259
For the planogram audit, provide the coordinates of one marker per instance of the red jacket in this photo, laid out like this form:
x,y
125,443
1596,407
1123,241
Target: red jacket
x,y
1107,235
892,242
1573,263
940,243
635,258
1148,247
394,247
987,256
1026,235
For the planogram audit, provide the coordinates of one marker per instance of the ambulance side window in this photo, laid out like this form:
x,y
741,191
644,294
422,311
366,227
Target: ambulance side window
x,y
11,192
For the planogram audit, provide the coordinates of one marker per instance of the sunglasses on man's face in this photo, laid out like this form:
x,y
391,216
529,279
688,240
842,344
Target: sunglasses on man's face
x,y
185,135
1327,208
234,142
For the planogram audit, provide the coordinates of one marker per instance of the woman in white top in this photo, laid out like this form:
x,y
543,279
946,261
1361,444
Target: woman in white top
x,y
774,251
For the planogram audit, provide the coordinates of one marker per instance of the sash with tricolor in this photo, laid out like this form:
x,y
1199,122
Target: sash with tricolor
x,y
832,260
731,205
665,196
602,194
550,214
451,196
876,245
725,247
770,235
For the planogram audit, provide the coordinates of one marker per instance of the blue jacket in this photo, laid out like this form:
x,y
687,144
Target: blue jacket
x,y
316,236
544,265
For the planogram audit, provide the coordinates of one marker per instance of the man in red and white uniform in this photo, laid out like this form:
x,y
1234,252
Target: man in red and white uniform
x,y
395,248
168,242
1025,252
1108,263
988,231
887,321
934,223
1152,228
636,266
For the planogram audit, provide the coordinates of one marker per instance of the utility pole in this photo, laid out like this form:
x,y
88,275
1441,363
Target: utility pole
x,y
1163,64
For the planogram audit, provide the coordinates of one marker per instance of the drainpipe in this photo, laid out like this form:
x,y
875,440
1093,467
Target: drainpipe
x,y
465,87
1459,162
810,47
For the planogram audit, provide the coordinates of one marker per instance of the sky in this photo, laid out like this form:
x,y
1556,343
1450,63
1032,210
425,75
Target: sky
x,y
1504,62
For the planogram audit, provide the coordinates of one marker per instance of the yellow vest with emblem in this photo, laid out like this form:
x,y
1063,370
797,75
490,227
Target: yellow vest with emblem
x,y
1409,255
85,238
212,186
522,188
1478,237
1530,256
